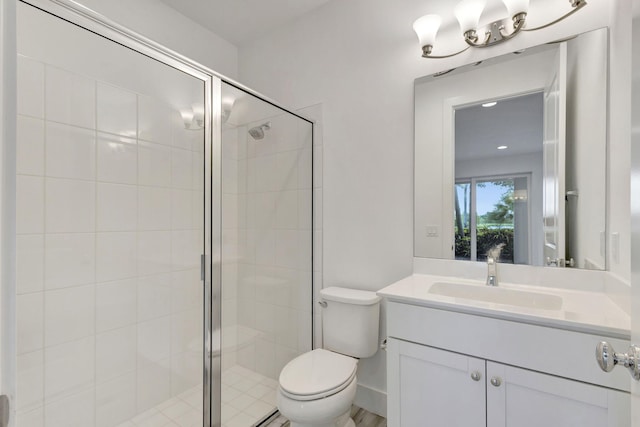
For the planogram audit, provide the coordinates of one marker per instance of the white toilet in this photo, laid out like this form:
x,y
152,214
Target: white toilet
x,y
317,388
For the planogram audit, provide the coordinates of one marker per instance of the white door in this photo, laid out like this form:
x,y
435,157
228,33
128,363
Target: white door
x,y
553,151
433,387
522,398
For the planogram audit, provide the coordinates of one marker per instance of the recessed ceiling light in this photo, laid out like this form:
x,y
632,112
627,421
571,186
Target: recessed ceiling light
x,y
489,104
502,147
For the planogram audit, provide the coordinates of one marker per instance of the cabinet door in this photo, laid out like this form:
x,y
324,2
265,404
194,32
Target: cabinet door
x,y
521,398
428,387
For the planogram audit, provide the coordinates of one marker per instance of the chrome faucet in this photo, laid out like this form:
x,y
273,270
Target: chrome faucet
x,y
493,255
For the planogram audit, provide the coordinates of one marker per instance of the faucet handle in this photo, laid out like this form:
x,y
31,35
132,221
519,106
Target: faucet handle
x,y
494,252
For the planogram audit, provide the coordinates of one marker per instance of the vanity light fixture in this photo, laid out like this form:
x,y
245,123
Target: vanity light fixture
x,y
468,14
502,147
490,104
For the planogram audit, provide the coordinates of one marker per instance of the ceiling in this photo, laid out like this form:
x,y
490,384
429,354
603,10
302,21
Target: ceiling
x,y
514,122
238,21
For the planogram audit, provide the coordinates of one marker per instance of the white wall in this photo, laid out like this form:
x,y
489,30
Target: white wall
x,y
162,24
360,58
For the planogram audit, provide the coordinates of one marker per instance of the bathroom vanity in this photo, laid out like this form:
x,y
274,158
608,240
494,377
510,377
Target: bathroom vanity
x,y
461,353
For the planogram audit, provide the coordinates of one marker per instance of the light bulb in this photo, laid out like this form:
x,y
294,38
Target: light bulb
x,y
426,28
468,14
515,7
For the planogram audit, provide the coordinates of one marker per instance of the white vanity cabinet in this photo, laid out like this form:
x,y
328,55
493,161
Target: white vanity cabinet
x,y
447,368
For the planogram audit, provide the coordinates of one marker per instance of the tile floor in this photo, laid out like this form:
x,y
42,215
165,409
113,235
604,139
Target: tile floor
x,y
247,397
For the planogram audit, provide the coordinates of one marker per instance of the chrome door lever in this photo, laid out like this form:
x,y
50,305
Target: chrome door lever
x,y
607,358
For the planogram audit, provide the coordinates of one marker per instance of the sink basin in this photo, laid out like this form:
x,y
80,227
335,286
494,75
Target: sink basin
x,y
497,295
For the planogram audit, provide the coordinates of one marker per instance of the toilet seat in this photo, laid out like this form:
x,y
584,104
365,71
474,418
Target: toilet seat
x,y
317,374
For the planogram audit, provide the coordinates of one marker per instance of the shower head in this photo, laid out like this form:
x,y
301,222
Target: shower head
x,y
258,131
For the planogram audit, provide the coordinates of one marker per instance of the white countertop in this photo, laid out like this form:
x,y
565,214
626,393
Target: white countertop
x,y
581,311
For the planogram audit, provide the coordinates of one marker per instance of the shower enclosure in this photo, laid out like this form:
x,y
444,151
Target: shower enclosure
x,y
164,233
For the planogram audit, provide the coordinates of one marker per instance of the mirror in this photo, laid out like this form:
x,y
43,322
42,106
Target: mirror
x,y
519,146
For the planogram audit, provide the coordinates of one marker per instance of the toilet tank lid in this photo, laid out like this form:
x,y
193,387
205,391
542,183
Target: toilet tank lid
x,y
349,296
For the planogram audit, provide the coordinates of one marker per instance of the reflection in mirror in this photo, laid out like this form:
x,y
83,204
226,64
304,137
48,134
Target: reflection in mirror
x,y
523,147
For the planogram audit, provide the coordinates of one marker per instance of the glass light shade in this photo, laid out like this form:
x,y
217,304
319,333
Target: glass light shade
x,y
468,14
426,28
515,7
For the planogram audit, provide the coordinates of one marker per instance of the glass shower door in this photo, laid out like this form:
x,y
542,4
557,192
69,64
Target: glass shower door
x,y
266,251
110,190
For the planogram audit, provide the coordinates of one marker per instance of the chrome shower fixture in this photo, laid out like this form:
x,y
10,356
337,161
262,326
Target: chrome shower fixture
x,y
257,132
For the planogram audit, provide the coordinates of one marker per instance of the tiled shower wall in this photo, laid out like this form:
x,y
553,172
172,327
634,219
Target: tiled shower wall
x,y
267,230
109,223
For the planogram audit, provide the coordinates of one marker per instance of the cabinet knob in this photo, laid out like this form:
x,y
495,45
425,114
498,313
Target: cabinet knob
x,y
476,376
608,358
496,381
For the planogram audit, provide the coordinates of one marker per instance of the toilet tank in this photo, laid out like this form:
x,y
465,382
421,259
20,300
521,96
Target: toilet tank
x,y
350,321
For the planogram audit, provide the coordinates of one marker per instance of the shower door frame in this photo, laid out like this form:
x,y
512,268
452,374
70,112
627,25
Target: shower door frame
x,y
93,22
211,261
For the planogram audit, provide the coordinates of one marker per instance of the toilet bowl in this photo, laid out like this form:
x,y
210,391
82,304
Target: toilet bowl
x,y
317,388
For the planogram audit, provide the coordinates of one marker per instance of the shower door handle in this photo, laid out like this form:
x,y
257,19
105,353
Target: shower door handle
x,y
5,408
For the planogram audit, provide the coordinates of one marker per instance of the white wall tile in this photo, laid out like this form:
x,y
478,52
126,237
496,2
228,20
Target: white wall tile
x,y
268,176
117,110
70,98
182,206
197,170
117,207
116,256
261,210
154,252
29,263
284,131
30,146
30,381
186,371
116,304
69,368
287,248
69,314
283,356
266,320
266,358
186,331
265,247
69,260
155,120
305,218
304,167
287,170
154,208
317,166
317,209
29,204
154,296
70,152
154,340
305,261
30,322
117,159
70,206
229,211
286,327
81,405
154,164
186,247
34,418
287,209
186,290
181,169
154,384
305,331
116,401
30,87
115,353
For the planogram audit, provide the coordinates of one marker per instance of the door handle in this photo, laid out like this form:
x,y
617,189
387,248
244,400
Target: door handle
x,y
608,358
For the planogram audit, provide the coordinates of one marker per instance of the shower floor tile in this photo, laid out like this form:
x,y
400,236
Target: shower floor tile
x,y
247,397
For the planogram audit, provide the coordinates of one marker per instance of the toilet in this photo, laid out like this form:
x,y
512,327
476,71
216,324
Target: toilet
x,y
317,388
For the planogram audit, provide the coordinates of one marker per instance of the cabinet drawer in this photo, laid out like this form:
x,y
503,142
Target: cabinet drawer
x,y
558,352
